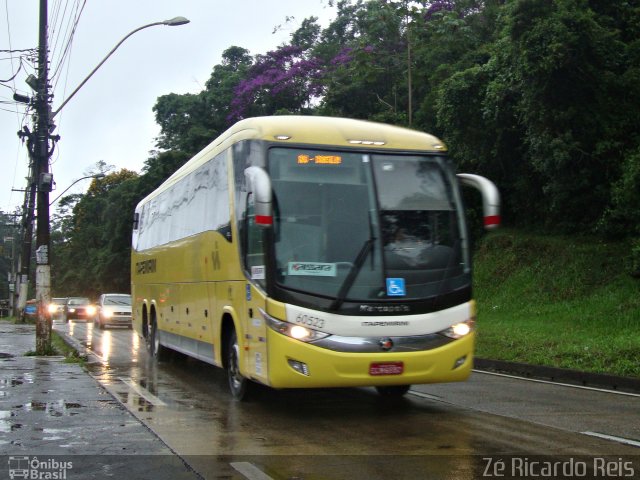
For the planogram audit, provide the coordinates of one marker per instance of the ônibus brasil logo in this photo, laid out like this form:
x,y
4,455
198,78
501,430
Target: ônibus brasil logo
x,y
36,469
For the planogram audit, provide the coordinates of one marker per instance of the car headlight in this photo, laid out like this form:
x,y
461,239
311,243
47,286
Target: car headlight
x,y
460,329
107,313
52,308
91,310
292,330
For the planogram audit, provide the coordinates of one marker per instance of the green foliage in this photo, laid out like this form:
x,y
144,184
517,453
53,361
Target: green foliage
x,y
558,301
540,96
189,122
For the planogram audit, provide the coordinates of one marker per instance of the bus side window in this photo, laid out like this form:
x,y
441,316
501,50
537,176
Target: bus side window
x,y
255,260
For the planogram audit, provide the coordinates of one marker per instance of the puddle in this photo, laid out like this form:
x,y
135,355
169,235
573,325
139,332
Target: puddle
x,y
55,433
135,401
55,409
16,381
6,425
11,382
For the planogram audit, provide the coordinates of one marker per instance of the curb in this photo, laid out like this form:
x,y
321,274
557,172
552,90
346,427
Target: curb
x,y
560,375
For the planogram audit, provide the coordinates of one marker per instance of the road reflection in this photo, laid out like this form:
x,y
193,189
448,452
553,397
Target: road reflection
x,y
328,433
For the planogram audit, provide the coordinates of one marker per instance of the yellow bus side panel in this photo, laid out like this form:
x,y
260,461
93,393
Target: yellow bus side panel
x,y
337,369
190,283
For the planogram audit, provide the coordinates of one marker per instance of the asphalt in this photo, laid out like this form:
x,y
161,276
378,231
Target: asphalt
x,y
56,421
560,375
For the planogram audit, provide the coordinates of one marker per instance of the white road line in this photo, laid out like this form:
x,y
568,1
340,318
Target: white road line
x,y
143,392
428,396
250,471
593,389
626,441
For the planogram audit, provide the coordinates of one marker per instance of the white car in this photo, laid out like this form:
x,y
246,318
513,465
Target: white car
x,y
114,309
56,308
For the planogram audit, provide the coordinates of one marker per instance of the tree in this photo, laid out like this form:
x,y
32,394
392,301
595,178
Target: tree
x,y
90,235
189,122
364,49
285,79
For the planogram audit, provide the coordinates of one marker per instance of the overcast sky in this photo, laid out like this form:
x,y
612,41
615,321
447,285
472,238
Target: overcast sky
x,y
111,117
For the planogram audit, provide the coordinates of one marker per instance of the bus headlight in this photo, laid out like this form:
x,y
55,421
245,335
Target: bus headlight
x,y
459,330
298,332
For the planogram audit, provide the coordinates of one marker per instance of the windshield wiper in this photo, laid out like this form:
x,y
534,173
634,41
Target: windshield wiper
x,y
355,268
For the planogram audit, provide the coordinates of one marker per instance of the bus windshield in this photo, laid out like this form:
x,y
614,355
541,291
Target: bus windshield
x,y
366,227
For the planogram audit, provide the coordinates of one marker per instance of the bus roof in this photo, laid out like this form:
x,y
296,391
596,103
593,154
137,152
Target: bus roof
x,y
311,130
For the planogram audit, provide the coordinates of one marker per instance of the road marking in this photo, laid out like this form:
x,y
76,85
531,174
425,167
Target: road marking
x,y
593,389
428,396
626,441
250,471
143,392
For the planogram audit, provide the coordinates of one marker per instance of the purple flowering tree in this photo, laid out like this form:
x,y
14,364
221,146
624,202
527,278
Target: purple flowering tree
x,y
283,79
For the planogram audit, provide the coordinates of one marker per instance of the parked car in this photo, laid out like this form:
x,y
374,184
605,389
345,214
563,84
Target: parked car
x,y
114,309
30,310
56,308
79,308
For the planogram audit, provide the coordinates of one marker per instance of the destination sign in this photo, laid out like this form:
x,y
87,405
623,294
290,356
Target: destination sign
x,y
319,159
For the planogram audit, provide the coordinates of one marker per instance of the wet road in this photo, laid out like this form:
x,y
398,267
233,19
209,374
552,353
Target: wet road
x,y
456,431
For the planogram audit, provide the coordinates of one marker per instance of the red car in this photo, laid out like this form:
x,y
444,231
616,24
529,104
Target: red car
x,y
79,308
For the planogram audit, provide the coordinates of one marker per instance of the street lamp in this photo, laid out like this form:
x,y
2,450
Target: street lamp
x,y
40,152
172,22
97,176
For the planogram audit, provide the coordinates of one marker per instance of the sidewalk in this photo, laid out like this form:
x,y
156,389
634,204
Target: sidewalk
x,y
56,419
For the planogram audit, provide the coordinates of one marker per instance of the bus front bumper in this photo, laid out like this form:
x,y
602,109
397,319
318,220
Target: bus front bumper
x,y
295,364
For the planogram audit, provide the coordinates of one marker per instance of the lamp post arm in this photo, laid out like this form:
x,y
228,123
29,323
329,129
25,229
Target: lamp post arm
x,y
100,175
104,60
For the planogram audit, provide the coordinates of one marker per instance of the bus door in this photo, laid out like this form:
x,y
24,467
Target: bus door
x,y
256,360
256,328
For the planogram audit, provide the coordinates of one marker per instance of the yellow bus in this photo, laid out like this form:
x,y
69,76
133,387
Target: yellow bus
x,y
305,252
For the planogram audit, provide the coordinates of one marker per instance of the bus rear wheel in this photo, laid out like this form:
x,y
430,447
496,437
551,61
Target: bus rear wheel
x,y
393,391
239,385
155,349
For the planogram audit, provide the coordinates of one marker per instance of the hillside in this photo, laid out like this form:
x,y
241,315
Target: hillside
x,y
559,301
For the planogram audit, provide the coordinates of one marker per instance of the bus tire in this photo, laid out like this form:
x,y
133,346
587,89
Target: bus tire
x,y
393,391
238,385
155,349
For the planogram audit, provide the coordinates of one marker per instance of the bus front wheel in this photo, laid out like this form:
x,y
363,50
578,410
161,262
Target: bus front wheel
x,y
238,384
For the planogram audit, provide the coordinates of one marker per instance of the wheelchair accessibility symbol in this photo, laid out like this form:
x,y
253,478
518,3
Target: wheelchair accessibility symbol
x,y
396,287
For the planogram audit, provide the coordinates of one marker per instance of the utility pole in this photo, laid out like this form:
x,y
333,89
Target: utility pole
x,y
40,144
26,229
43,181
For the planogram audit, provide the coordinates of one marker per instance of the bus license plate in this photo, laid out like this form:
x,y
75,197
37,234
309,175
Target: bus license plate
x,y
386,368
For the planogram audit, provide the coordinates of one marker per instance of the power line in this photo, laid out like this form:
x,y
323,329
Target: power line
x,y
6,9
14,111
64,57
21,50
15,74
56,31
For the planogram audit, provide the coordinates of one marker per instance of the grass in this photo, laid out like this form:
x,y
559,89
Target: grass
x,y
558,301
